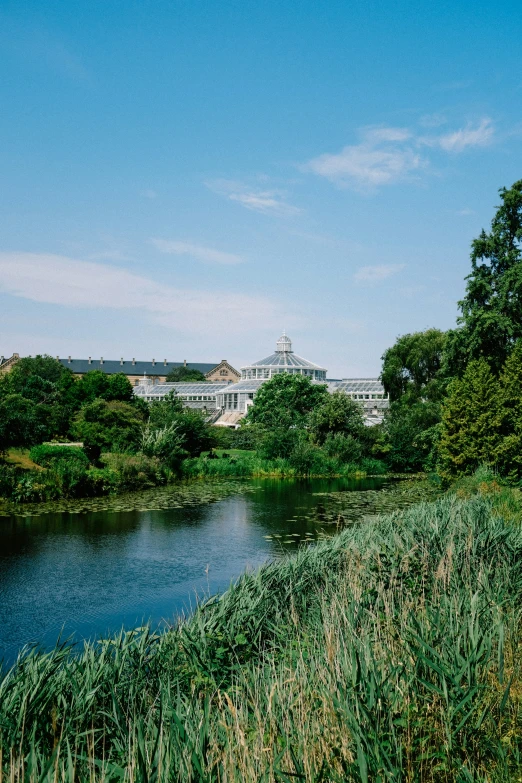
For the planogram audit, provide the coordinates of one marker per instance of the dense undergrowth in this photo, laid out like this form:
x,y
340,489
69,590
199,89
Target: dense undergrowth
x,y
250,464
68,474
389,652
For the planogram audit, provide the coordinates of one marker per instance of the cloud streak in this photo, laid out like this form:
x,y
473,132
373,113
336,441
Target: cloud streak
x,y
377,273
267,201
68,282
208,255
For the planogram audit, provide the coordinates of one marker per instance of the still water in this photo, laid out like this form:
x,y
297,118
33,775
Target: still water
x,y
88,574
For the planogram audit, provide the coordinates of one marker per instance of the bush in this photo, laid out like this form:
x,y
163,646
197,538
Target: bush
x,y
343,446
134,471
46,455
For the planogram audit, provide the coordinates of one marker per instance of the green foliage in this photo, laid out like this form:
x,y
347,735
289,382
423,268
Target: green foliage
x,y
471,432
134,471
166,443
344,447
335,414
46,455
491,311
96,384
286,400
184,374
19,422
104,426
412,368
398,662
409,435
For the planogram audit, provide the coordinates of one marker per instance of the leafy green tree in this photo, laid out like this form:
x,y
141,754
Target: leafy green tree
x,y
491,311
472,419
108,426
344,446
19,422
45,367
408,435
286,400
412,368
184,374
336,413
190,424
164,412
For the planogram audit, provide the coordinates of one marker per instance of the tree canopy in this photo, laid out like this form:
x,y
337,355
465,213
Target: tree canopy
x,y
185,375
491,311
412,367
285,400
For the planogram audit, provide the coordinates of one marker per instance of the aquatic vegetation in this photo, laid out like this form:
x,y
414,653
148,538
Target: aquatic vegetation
x,y
170,496
388,652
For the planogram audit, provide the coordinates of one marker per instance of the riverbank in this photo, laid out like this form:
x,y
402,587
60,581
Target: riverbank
x,y
388,651
67,474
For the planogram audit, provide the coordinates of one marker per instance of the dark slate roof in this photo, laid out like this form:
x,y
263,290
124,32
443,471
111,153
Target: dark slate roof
x,y
111,366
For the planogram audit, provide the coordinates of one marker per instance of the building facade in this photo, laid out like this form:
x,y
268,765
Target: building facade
x,y
223,372
227,403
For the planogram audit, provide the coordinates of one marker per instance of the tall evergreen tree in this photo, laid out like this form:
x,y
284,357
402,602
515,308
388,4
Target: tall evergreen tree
x,y
491,319
471,431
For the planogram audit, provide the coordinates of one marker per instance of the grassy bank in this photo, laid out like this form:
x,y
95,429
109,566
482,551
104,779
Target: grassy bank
x,y
248,464
390,652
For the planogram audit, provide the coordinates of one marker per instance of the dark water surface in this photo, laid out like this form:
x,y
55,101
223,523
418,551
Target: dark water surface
x,y
91,573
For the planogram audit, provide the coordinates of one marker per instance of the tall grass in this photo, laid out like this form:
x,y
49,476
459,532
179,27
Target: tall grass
x,y
251,465
388,653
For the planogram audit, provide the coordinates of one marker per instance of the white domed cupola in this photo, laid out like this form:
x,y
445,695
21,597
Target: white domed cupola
x,y
283,360
284,344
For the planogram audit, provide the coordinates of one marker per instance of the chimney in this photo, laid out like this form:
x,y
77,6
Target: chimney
x,y
90,360
101,359
68,360
121,360
164,362
57,358
184,362
133,361
153,362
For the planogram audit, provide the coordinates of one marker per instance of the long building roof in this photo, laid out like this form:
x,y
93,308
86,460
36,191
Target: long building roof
x,y
128,367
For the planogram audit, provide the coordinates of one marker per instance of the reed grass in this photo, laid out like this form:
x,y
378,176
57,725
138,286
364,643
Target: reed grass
x,y
390,652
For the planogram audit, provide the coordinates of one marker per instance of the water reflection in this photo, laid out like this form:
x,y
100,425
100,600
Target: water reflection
x,y
89,574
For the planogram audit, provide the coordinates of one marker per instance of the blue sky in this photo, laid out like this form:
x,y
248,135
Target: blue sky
x,y
186,179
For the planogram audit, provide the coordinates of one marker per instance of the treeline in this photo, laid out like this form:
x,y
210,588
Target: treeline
x,y
127,443
456,397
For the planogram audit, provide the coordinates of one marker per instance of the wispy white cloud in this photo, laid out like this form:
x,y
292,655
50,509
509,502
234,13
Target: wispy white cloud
x,y
434,120
60,280
469,136
387,155
267,201
464,212
209,255
149,193
377,273
384,155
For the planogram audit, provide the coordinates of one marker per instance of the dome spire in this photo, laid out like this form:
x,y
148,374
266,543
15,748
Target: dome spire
x,y
284,344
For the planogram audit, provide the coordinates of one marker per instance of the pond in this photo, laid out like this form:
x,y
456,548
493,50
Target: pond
x,y
86,568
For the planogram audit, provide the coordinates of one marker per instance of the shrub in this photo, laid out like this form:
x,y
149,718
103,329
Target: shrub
x,y
343,446
134,471
45,455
